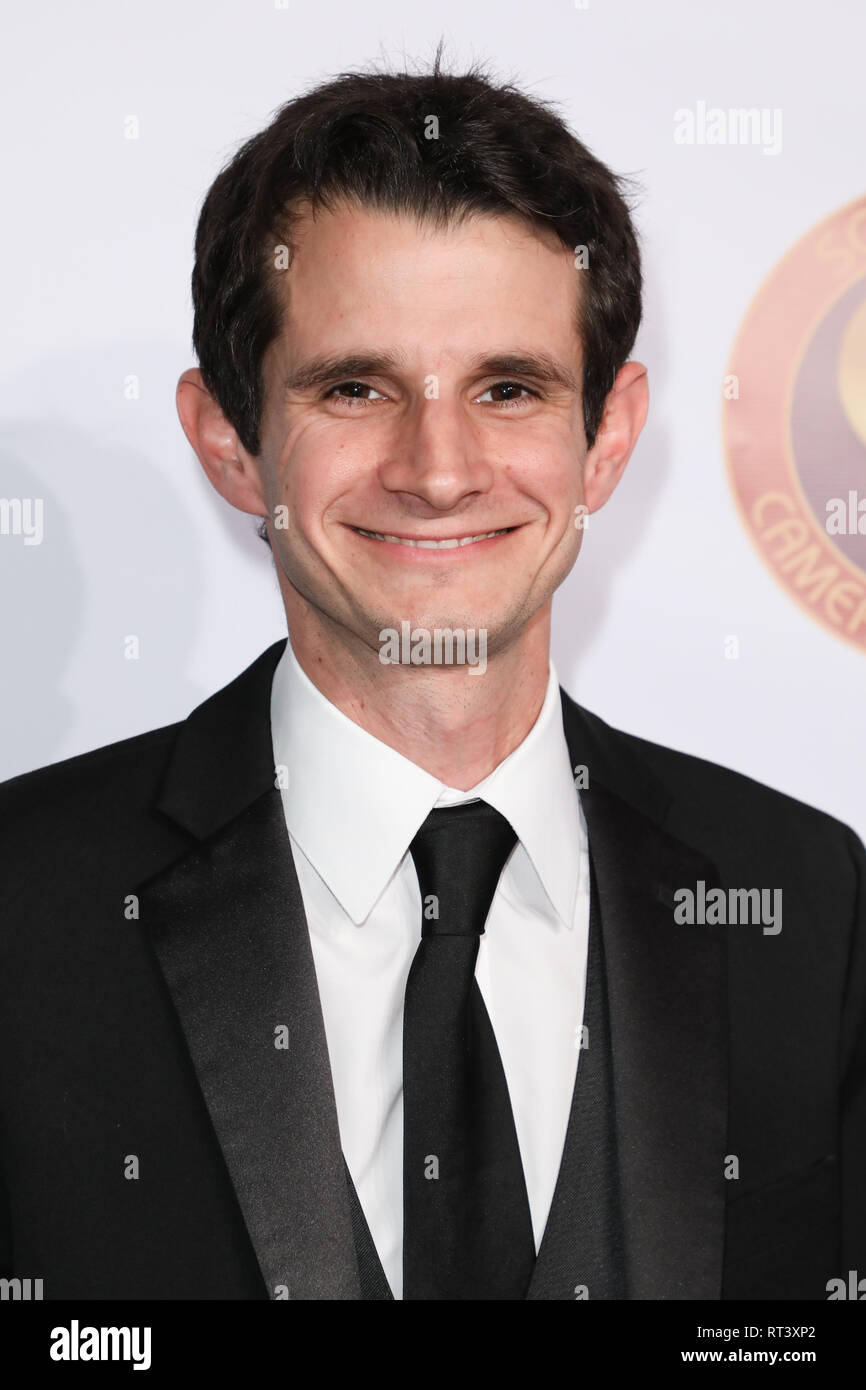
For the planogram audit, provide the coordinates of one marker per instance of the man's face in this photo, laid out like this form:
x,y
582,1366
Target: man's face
x,y
437,443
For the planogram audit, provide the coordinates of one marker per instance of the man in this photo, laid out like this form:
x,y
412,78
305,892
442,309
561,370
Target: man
x,y
391,971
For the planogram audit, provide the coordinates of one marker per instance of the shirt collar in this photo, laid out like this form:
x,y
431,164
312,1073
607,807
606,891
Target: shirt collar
x,y
354,804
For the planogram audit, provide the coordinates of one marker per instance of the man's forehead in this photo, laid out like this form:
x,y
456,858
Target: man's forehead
x,y
525,326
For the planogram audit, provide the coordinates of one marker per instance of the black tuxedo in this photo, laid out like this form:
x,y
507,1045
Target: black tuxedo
x,y
155,951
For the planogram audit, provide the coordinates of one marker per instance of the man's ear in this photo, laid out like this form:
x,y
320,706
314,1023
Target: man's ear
x,y
625,413
232,471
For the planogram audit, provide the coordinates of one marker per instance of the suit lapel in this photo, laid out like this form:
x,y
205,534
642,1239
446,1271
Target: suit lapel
x,y
227,923
666,987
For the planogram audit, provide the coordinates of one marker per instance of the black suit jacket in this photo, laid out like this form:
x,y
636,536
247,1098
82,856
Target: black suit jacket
x,y
157,1143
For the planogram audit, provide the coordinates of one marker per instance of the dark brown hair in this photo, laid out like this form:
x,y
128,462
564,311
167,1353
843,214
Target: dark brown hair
x,y
364,137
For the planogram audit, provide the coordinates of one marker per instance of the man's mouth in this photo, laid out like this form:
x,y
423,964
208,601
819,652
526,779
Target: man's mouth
x,y
423,543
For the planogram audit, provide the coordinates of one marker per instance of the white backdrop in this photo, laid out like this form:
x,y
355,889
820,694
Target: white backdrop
x,y
98,251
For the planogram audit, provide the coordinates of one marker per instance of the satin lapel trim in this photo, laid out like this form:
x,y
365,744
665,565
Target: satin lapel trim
x,y
228,926
667,996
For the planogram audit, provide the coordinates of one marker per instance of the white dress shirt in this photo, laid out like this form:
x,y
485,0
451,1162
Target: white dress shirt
x,y
352,806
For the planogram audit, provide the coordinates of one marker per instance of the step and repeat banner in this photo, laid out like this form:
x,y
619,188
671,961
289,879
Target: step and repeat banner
x,y
718,604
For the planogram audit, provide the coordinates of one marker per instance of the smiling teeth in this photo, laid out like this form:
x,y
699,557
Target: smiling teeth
x,y
433,545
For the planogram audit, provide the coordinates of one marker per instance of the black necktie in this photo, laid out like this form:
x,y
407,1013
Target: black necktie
x,y
467,1228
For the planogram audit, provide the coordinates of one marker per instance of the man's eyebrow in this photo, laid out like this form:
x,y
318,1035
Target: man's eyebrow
x,y
318,371
539,365
330,368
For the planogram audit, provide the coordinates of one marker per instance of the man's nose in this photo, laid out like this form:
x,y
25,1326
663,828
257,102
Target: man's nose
x,y
437,453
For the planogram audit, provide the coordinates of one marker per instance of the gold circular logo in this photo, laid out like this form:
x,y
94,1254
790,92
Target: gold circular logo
x,y
794,422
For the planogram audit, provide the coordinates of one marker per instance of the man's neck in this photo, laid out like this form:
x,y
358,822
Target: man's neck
x,y
456,725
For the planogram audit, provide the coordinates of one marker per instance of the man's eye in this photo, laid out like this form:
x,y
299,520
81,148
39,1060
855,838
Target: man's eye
x,y
352,392
510,386
354,388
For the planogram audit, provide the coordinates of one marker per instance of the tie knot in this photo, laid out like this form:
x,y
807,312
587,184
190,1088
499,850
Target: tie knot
x,y
459,854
